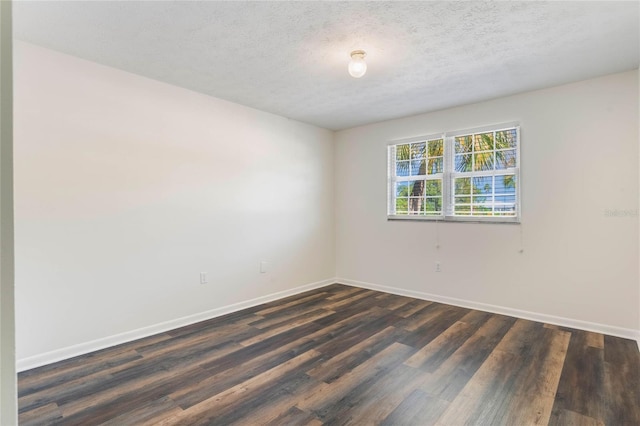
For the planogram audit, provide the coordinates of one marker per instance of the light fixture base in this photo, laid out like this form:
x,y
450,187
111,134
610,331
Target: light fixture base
x,y
357,65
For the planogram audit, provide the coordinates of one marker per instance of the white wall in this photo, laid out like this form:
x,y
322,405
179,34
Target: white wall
x,y
8,388
579,159
127,188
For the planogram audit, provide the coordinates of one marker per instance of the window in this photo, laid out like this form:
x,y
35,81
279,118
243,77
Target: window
x,y
417,174
470,175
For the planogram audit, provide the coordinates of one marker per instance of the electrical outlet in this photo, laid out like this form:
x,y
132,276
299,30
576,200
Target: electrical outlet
x,y
264,267
438,266
203,278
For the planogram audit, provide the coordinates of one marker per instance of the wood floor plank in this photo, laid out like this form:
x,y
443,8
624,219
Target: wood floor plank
x,y
346,292
45,414
294,303
297,337
364,304
50,375
175,371
595,340
96,383
345,355
571,418
521,338
278,408
193,342
97,409
208,386
357,334
297,316
34,384
489,391
328,290
149,414
323,398
207,410
491,378
534,394
419,408
423,316
335,305
432,348
286,326
214,329
440,349
622,381
217,324
441,319
394,302
412,307
293,416
81,362
272,396
373,403
336,366
249,361
282,317
584,369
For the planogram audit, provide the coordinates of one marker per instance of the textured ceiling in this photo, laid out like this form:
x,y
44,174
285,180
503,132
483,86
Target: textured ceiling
x,y
290,58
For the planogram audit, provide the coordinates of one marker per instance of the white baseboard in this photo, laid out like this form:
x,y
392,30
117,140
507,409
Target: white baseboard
x,y
94,345
626,333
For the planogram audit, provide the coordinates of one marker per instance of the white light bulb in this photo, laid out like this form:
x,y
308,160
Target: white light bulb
x,y
357,65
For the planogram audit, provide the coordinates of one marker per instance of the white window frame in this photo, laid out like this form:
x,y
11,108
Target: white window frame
x,y
449,174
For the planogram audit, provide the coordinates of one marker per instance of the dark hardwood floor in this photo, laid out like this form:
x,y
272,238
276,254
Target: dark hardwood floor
x,y
344,355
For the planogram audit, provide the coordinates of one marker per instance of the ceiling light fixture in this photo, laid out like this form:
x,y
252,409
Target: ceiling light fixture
x,y
357,65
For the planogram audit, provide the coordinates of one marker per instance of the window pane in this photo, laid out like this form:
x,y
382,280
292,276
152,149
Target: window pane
x,y
462,210
462,200
402,189
433,187
482,185
402,205
483,142
418,150
482,211
435,148
463,144
416,205
433,205
402,152
509,210
506,139
434,166
402,168
505,184
505,159
483,161
463,163
418,167
462,186
506,199
480,199
416,188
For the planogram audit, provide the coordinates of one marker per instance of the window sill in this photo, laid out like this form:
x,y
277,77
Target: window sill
x,y
456,219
